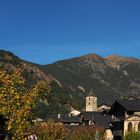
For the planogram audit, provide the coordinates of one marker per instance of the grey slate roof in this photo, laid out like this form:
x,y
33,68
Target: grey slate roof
x,y
64,118
89,115
98,118
103,121
70,119
91,93
130,105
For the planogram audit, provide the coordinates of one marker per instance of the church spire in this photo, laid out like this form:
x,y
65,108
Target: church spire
x,y
91,93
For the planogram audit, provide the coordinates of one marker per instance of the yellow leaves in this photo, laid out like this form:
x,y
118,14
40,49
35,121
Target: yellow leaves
x,y
17,97
9,127
16,101
48,131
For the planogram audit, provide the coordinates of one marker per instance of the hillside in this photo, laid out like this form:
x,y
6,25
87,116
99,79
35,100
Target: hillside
x,y
110,77
30,72
70,80
57,101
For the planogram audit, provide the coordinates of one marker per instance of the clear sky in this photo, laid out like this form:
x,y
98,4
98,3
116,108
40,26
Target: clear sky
x,y
44,31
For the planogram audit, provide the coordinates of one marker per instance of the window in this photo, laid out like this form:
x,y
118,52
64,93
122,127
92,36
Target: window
x,y
129,126
139,126
89,101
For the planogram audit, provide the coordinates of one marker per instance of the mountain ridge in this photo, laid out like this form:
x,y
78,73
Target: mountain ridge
x,y
96,68
71,79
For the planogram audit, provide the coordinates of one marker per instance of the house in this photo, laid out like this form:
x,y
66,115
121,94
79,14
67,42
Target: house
x,y
126,112
67,120
97,119
74,113
70,120
104,106
87,117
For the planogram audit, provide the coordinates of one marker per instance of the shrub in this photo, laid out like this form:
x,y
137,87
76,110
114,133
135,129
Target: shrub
x,y
48,131
86,133
132,136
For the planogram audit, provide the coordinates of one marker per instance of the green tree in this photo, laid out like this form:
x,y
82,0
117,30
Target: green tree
x,y
132,136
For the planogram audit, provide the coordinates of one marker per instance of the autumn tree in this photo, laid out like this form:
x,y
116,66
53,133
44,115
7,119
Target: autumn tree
x,y
87,133
49,130
17,101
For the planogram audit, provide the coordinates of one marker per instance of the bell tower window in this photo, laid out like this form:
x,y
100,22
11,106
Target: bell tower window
x,y
89,101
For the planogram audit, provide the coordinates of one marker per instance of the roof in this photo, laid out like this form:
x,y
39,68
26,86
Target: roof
x,y
99,119
103,121
75,112
107,104
130,105
64,118
91,93
89,115
130,116
70,119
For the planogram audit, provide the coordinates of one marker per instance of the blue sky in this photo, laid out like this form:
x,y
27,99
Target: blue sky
x,y
44,31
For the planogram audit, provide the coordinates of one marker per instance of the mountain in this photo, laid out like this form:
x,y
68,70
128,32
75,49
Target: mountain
x,y
110,78
55,102
30,72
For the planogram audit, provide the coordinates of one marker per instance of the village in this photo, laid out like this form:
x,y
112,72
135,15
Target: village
x,y
118,119
69,70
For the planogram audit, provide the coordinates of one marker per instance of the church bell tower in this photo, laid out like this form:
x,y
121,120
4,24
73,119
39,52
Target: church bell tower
x,y
91,102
